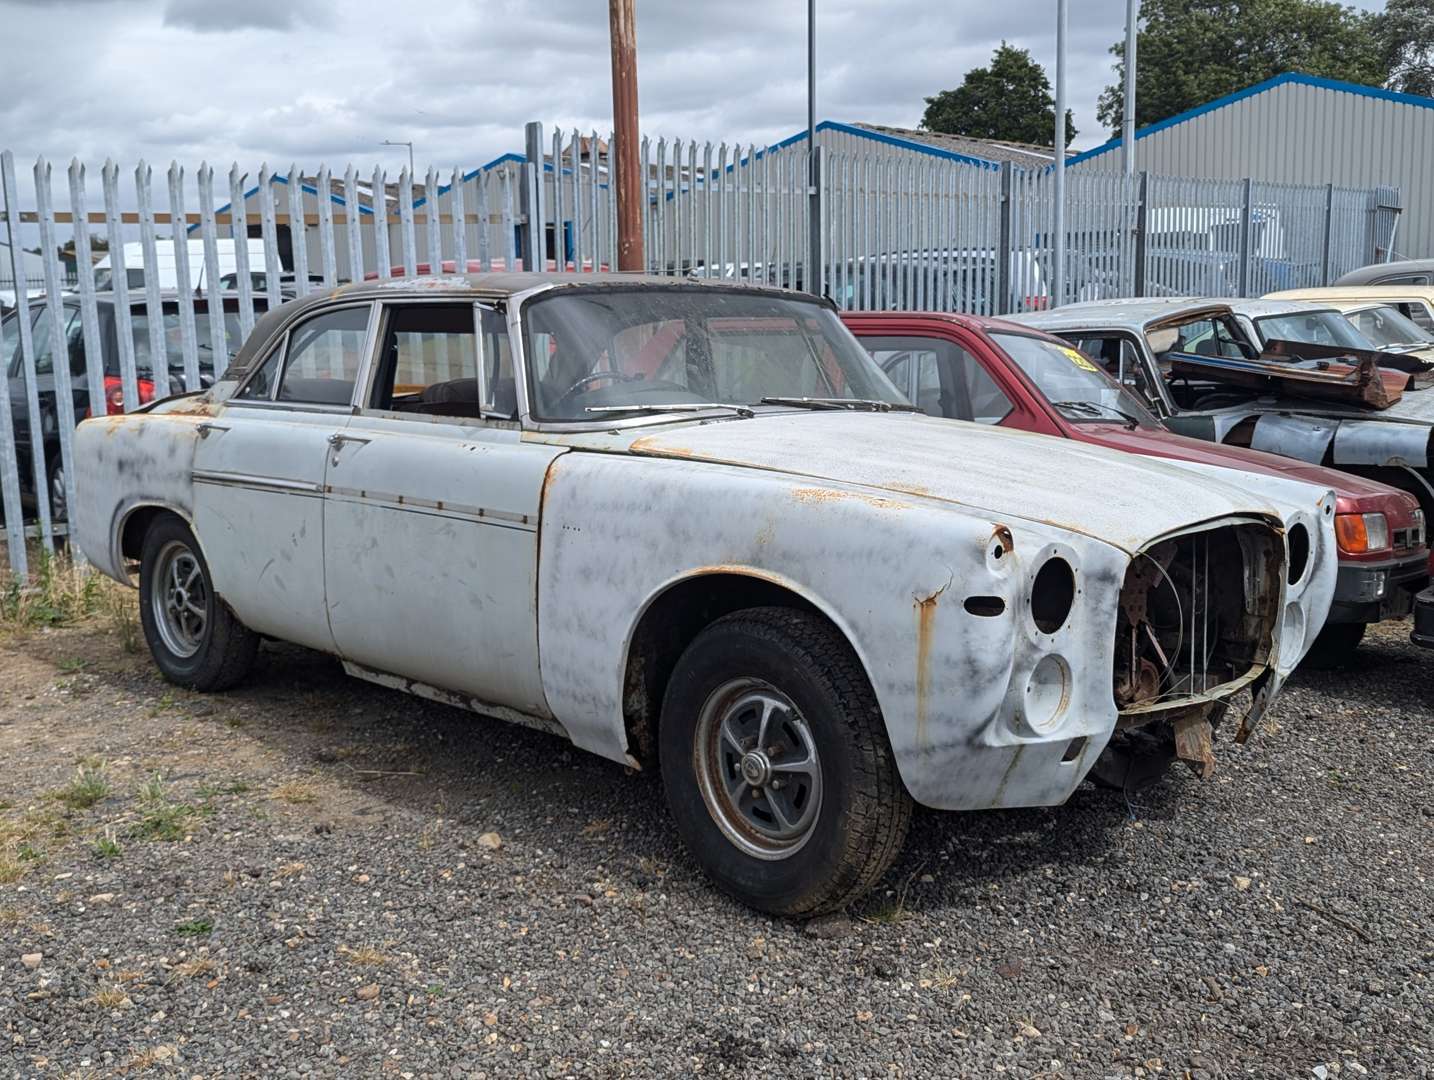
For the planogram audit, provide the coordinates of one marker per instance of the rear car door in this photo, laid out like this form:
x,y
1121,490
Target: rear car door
x,y
431,513
259,470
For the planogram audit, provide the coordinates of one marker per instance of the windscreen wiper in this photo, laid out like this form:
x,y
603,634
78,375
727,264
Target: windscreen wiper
x,y
1095,408
868,404
674,407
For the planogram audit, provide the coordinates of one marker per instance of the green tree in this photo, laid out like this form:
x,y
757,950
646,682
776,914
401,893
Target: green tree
x,y
1406,41
1009,100
1193,51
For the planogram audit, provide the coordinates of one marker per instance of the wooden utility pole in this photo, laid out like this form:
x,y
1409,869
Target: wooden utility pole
x,y
623,158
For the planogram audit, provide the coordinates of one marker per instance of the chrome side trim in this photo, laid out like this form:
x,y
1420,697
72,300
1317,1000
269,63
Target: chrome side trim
x,y
437,508
257,483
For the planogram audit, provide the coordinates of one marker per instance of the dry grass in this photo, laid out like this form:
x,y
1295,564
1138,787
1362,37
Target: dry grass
x,y
59,593
109,996
364,956
296,792
292,869
200,965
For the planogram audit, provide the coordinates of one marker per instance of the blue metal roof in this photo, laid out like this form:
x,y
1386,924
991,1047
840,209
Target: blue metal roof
x,y
1289,77
339,200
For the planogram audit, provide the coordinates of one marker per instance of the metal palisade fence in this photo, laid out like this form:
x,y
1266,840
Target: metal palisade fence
x,y
151,282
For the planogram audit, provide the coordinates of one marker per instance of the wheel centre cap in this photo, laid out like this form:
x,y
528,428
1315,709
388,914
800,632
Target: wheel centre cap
x,y
756,768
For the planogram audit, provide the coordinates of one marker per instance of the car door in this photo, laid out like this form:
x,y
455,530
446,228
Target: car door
x,y
431,516
259,470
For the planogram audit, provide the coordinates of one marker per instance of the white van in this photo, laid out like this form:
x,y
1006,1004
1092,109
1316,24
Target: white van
x,y
166,270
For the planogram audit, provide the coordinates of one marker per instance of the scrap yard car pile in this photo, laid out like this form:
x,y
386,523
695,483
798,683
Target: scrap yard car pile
x,y
696,527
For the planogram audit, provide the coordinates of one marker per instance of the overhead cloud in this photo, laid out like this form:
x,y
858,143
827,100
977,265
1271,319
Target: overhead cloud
x,y
211,17
328,80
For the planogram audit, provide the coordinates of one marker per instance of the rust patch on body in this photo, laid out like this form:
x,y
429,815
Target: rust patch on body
x,y
1194,744
833,495
650,444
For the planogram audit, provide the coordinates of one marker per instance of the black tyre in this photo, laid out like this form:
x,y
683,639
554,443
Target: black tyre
x,y
55,486
193,636
777,766
1336,645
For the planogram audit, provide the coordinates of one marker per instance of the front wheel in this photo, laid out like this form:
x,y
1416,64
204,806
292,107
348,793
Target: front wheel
x,y
196,641
777,766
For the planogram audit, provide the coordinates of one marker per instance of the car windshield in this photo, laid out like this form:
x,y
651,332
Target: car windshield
x,y
1073,383
596,352
174,343
1313,328
1387,326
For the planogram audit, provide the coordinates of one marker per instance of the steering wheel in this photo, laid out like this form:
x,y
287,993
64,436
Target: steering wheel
x,y
596,376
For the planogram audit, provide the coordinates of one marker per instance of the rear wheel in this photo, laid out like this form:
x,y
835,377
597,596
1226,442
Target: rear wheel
x,y
1336,645
196,641
777,766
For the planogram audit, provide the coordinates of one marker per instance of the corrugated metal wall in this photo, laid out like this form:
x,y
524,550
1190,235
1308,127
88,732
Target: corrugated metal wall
x,y
1303,134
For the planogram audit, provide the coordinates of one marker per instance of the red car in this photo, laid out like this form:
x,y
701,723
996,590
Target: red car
x,y
995,372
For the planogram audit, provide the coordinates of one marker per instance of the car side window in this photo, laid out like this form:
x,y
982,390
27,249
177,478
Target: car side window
x,y
323,357
1420,313
428,363
941,377
260,386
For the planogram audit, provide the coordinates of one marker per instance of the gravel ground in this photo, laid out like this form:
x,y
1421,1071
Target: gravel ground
x,y
329,902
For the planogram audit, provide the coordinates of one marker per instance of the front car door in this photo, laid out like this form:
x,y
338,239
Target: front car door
x,y
431,516
259,475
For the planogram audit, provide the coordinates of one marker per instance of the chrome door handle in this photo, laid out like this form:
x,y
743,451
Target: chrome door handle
x,y
206,428
338,438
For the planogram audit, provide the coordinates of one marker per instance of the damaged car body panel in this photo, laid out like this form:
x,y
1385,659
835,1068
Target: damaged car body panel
x,y
538,495
1136,341
996,685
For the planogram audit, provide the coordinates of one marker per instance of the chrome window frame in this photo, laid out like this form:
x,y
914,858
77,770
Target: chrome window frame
x,y
369,372
282,346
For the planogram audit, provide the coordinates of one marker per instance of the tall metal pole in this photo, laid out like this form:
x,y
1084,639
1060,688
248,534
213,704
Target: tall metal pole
x,y
1058,210
815,271
1127,121
622,27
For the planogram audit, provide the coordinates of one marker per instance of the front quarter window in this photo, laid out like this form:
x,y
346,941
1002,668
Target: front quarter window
x,y
595,350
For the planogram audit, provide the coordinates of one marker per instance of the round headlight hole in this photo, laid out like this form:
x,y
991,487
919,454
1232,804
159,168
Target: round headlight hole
x,y
1052,595
1299,541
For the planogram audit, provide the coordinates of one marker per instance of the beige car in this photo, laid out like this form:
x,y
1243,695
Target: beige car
x,y
1378,324
1415,302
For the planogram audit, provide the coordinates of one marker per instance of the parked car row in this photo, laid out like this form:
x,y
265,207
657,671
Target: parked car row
x,y
658,517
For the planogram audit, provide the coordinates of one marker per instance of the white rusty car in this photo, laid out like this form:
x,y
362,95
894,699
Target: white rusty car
x,y
693,525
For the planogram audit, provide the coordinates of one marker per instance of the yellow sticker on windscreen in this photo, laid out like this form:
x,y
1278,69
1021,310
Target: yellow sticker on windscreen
x,y
1078,360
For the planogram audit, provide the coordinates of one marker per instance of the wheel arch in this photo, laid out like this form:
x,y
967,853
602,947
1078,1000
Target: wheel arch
x,y
133,521
676,612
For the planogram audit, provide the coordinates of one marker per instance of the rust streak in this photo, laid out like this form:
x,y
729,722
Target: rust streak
x,y
925,625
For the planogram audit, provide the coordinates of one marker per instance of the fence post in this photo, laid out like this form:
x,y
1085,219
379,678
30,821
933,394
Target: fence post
x,y
534,249
816,215
1003,242
9,460
1245,231
1142,229
1328,233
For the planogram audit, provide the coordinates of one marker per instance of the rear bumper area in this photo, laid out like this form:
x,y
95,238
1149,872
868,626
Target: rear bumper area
x,y
1423,634
1373,592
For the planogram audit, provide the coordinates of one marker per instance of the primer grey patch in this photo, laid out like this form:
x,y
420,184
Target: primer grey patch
x,y
1381,443
1303,437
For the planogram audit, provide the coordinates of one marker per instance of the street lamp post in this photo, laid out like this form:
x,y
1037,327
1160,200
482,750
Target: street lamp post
x,y
402,142
1127,122
1058,239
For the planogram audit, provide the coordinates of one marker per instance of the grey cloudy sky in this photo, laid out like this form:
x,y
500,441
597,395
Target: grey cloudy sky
x,y
326,80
